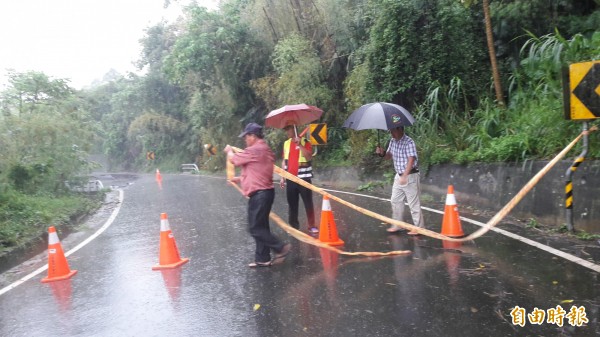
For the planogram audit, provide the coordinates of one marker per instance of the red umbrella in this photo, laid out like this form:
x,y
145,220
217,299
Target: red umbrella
x,y
297,114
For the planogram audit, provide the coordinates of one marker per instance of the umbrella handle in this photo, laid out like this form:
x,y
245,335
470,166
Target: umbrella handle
x,y
379,145
304,132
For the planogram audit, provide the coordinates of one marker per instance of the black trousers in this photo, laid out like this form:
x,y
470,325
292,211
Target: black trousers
x,y
293,192
259,207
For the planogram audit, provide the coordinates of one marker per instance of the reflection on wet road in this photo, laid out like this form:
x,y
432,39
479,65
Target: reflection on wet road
x,y
441,289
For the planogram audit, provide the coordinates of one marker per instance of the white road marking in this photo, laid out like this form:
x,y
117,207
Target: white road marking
x,y
76,248
553,251
559,253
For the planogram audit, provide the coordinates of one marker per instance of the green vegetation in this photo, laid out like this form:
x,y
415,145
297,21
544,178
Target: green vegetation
x,y
212,72
532,223
371,186
579,234
45,137
582,235
25,218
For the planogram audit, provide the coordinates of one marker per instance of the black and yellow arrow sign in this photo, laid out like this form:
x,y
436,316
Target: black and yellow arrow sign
x,y
583,101
210,149
318,134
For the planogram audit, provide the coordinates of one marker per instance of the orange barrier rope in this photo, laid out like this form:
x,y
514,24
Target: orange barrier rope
x,y
487,227
530,184
310,240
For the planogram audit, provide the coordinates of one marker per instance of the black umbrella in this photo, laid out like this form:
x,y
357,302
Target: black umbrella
x,y
380,116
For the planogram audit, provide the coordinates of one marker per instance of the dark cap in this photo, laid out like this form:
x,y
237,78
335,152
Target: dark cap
x,y
251,128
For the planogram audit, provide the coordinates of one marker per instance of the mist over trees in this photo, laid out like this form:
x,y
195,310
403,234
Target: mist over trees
x,y
210,72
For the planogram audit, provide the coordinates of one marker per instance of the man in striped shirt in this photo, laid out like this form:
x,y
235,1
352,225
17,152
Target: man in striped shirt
x,y
407,187
297,155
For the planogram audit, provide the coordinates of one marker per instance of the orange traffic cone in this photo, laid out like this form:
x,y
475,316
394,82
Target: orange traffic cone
x,y
58,267
451,223
168,254
158,179
328,231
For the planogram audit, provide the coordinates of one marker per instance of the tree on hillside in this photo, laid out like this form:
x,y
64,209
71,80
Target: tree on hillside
x,y
158,133
298,78
45,134
214,71
332,27
408,50
491,49
34,91
214,59
514,20
118,104
492,52
115,105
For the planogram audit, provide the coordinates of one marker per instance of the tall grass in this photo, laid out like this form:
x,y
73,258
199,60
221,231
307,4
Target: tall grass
x,y
449,130
25,218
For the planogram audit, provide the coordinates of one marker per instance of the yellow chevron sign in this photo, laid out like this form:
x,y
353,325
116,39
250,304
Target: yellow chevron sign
x,y
583,83
318,134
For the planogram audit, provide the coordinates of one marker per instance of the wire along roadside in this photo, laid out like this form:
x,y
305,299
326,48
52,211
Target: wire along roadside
x,y
494,221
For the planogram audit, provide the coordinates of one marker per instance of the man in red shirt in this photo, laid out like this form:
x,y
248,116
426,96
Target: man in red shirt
x,y
256,179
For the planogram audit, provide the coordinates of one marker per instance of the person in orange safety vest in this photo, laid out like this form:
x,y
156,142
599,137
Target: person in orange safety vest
x,y
297,155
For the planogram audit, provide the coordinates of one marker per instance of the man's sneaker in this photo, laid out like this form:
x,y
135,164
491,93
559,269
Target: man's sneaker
x,y
259,264
313,230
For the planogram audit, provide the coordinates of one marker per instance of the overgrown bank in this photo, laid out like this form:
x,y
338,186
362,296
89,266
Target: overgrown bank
x,y
24,219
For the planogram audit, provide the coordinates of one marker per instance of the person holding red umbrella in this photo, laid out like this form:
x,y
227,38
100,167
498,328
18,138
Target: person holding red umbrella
x,y
297,155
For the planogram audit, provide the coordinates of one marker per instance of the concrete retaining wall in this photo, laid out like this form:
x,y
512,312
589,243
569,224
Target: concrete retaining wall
x,y
491,186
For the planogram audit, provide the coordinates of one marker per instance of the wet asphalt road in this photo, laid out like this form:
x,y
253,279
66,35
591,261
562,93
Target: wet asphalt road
x,y
463,290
